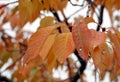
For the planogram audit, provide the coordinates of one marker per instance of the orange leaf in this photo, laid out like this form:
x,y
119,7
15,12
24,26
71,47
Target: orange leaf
x,y
102,58
116,44
88,20
2,11
14,21
51,60
85,20
63,46
47,46
37,41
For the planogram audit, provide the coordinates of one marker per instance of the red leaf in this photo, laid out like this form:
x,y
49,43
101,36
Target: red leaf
x,y
85,38
80,34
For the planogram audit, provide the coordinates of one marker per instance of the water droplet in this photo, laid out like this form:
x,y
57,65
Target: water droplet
x,y
80,49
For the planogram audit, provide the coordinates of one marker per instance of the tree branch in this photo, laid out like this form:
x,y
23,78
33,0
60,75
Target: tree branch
x,y
55,14
77,4
76,12
81,69
4,5
100,19
69,67
4,79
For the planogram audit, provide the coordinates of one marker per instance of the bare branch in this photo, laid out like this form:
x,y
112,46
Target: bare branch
x,y
4,5
4,79
77,4
76,12
100,19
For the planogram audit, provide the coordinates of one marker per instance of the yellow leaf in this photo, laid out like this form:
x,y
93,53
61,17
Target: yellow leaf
x,y
63,46
47,21
25,10
29,10
36,7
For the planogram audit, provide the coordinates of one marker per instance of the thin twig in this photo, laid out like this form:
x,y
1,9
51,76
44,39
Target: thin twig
x,y
81,69
65,19
14,63
95,75
76,12
69,68
55,14
77,4
4,5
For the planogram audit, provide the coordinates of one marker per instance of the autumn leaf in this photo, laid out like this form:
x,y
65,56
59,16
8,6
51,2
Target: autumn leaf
x,y
102,58
21,72
2,11
51,60
37,41
80,34
29,10
58,4
12,21
82,19
61,49
65,28
85,38
36,7
25,10
63,46
115,43
47,46
96,38
48,20
88,20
